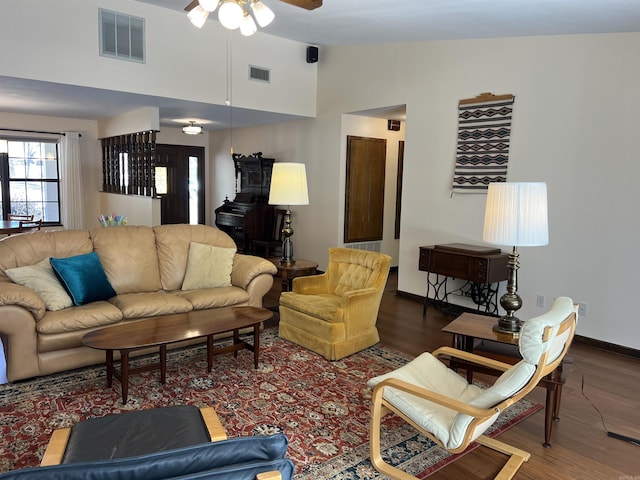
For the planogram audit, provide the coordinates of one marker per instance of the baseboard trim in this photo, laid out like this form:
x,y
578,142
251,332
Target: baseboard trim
x,y
606,346
410,296
579,339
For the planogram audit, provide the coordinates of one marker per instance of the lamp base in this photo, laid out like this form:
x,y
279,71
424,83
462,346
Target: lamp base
x,y
508,326
287,244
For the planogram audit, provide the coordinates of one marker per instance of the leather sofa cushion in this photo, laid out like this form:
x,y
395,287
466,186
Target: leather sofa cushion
x,y
134,433
215,297
141,305
72,319
22,250
128,256
172,244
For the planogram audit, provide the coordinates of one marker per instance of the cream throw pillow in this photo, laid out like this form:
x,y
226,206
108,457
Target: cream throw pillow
x,y
208,267
41,279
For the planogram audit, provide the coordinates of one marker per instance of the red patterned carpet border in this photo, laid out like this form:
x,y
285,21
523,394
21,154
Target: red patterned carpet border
x,y
323,407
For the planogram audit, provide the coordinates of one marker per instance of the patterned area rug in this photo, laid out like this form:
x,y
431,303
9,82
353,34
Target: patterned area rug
x,y
323,407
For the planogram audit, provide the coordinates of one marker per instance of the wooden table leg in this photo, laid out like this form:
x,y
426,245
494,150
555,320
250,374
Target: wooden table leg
x,y
124,374
236,340
256,344
209,353
109,362
549,410
163,363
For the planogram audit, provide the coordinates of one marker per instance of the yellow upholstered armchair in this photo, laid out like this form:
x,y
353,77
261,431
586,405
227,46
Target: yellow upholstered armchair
x,y
335,314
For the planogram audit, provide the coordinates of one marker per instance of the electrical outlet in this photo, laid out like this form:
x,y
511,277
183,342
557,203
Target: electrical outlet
x,y
540,301
582,309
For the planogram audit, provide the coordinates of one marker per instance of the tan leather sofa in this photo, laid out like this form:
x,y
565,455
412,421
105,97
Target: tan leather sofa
x,y
146,267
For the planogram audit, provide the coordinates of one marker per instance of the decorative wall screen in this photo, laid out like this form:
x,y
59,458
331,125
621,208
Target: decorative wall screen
x,y
484,131
128,164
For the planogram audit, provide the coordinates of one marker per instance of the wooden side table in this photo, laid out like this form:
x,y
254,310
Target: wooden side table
x,y
469,327
288,271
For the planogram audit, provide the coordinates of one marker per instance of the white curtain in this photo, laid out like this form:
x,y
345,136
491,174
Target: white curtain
x,y
71,195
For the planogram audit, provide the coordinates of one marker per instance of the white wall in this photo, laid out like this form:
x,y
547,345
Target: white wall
x,y
58,42
574,127
139,210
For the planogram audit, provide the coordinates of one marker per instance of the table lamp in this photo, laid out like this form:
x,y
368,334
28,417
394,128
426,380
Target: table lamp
x,y
515,215
288,187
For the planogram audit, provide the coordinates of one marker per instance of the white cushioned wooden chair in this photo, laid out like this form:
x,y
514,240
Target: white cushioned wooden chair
x,y
442,405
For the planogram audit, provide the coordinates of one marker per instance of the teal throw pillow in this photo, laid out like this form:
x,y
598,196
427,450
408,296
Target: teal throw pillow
x,y
83,277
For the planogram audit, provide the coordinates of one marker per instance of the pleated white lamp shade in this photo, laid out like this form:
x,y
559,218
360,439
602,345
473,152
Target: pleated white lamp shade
x,y
516,214
288,184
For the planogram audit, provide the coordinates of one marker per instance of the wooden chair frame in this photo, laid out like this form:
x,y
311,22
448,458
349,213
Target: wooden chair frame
x,y
517,457
58,442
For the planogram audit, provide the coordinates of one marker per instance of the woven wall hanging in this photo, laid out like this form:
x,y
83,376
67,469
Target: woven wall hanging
x,y
484,131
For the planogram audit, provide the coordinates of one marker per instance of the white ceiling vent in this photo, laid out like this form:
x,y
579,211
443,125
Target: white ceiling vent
x,y
259,74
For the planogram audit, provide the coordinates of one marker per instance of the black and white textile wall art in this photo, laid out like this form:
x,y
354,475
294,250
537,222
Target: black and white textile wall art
x,y
484,131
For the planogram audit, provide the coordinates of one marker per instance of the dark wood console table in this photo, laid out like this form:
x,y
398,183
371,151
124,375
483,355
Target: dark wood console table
x,y
481,267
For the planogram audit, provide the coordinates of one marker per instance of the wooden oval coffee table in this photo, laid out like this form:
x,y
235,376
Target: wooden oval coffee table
x,y
162,330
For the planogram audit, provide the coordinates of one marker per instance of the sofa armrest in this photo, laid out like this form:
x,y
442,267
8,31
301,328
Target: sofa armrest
x,y
248,267
311,284
14,294
18,332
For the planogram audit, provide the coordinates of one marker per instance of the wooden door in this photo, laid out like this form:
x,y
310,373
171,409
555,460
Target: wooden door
x,y
364,202
183,199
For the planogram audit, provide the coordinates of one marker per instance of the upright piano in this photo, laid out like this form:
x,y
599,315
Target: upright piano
x,y
249,216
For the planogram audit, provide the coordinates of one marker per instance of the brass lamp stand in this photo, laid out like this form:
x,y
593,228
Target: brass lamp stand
x,y
287,244
510,301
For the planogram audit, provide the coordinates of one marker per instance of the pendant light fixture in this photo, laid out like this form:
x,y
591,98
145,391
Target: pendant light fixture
x,y
232,14
192,128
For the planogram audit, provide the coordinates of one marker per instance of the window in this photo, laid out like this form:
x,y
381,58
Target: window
x,y
121,36
29,181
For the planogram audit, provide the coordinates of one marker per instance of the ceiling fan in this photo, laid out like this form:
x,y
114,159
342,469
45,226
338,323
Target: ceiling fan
x,y
236,13
306,4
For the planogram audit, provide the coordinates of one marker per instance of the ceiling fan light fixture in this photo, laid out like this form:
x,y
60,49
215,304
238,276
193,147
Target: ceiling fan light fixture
x,y
264,15
192,129
208,5
248,26
198,16
230,14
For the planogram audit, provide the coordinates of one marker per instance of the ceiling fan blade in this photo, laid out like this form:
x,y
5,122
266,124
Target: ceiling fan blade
x,y
306,4
191,6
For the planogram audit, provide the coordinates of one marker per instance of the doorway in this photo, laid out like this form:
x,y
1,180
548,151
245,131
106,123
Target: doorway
x,y
180,184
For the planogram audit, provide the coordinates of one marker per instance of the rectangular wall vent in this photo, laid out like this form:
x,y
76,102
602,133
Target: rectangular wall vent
x,y
368,246
121,36
259,74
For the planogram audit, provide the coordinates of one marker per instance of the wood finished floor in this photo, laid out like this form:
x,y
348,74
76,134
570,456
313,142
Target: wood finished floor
x,y
580,448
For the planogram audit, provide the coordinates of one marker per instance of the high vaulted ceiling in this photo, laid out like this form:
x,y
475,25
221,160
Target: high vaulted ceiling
x,y
342,22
